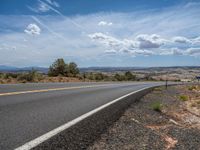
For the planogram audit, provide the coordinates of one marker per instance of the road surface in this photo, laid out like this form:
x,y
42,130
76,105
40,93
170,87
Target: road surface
x,y
28,111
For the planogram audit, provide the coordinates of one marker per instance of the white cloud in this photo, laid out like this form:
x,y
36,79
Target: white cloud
x,y
113,43
146,41
43,7
176,51
143,44
69,38
110,51
109,41
53,3
104,23
142,52
32,29
181,39
193,51
48,28
196,40
139,46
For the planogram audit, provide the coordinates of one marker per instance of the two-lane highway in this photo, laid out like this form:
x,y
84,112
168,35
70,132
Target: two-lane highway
x,y
28,111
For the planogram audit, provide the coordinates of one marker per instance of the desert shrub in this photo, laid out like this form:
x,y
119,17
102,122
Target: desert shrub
x,y
191,88
157,106
183,97
98,76
31,76
119,77
1,75
158,89
129,76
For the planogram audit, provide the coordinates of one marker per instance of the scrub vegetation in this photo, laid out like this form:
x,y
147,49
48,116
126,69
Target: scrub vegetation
x,y
60,71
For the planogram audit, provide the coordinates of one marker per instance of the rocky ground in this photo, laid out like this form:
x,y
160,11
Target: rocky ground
x,y
164,119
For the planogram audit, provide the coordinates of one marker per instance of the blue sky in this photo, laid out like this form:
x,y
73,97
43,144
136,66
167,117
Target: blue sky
x,y
100,32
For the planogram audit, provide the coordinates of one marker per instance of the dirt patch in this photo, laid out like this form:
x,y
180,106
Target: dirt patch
x,y
44,79
175,126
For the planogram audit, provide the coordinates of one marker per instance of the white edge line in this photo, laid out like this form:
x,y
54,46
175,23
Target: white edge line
x,y
35,142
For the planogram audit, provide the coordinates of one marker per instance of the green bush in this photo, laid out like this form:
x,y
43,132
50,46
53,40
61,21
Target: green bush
x,y
183,97
129,76
157,106
72,69
59,67
119,77
8,75
31,76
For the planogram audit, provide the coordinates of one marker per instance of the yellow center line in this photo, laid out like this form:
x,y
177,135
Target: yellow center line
x,y
48,90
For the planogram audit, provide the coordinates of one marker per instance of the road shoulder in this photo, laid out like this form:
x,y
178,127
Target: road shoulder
x,y
162,119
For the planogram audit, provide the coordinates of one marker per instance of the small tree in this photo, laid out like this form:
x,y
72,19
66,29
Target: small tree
x,y
59,67
73,69
129,76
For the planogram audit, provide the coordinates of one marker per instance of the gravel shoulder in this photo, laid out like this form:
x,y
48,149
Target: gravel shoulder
x,y
164,119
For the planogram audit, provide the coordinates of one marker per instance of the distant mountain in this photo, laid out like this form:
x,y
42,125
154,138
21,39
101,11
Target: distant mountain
x,y
4,68
109,69
7,68
115,69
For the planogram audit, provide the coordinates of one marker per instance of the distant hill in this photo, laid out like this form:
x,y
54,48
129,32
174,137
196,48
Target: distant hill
x,y
4,68
98,69
7,68
115,69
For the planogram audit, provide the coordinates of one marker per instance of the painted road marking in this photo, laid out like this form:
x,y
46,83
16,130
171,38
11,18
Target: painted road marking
x,y
48,135
54,89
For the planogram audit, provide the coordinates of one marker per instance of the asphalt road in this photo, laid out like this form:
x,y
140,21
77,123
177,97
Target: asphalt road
x,y
28,111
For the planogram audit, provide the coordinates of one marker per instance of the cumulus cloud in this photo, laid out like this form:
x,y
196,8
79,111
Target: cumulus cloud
x,y
193,51
113,43
124,45
146,41
196,40
32,29
176,51
112,51
146,45
119,38
180,39
106,40
142,52
104,23
143,44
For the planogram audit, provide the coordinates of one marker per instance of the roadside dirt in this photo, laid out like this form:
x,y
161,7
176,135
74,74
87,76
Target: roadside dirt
x,y
165,119
43,80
